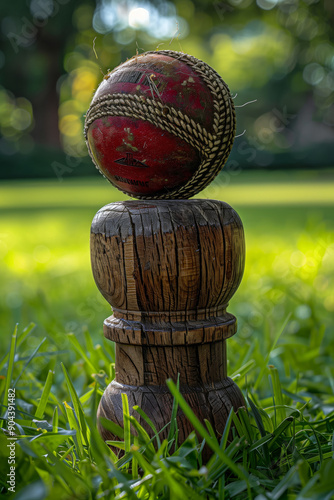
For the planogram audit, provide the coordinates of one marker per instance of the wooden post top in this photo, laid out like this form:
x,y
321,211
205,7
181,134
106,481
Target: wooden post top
x,y
162,262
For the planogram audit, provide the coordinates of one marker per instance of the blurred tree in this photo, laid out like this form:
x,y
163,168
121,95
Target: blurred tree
x,y
35,37
280,52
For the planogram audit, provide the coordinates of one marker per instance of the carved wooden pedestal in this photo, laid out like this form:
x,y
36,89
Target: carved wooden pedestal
x,y
168,269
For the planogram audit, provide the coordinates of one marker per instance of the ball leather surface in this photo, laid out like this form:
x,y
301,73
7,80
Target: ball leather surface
x,y
161,125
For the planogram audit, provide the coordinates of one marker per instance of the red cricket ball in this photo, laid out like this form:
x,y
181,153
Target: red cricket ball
x,y
161,125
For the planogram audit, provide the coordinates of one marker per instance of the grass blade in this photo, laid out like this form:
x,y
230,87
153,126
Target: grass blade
x,y
116,429
126,425
149,422
260,426
212,443
75,343
19,340
55,420
264,366
77,406
227,428
277,392
28,361
10,365
173,423
75,426
243,370
45,396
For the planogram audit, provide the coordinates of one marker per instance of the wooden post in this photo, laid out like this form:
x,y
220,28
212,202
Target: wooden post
x,y
168,268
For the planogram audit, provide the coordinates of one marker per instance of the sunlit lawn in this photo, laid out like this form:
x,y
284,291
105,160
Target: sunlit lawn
x,y
282,355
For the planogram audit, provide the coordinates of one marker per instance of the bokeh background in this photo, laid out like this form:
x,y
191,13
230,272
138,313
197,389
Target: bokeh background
x,y
277,57
277,52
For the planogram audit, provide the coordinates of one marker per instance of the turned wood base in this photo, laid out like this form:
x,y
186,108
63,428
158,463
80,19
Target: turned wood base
x,y
212,402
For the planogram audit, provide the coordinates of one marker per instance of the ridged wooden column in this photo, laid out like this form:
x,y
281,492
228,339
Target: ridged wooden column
x,y
169,268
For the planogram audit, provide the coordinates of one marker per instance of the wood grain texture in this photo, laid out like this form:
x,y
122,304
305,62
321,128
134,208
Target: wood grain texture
x,y
152,365
169,269
175,260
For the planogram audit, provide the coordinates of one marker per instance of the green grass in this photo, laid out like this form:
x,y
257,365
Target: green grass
x,y
281,357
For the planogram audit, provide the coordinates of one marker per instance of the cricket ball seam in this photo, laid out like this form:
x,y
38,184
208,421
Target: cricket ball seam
x,y
133,107
216,148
